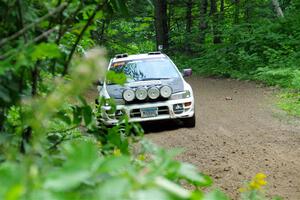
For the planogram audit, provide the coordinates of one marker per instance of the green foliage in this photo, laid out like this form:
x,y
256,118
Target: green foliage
x,y
80,171
44,51
131,37
116,78
290,102
285,77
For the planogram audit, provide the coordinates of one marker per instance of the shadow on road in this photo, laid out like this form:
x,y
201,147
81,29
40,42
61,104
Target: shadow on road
x,y
160,126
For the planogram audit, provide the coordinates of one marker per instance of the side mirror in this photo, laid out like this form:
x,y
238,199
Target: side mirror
x,y
187,72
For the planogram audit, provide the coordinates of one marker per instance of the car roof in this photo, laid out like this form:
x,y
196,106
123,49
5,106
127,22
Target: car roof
x,y
139,57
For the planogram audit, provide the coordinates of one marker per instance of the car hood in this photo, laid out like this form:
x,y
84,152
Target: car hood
x,y
116,91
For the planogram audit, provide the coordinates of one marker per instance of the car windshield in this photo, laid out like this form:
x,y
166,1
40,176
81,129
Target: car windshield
x,y
146,69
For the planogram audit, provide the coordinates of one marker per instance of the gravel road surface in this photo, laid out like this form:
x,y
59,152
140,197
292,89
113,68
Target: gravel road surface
x,y
239,133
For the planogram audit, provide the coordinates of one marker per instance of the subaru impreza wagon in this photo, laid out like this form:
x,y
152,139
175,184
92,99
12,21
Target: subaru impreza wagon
x,y
154,90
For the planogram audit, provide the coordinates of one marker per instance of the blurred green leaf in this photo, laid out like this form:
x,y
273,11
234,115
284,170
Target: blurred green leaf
x,y
45,50
191,173
153,193
64,117
77,114
215,195
74,173
87,114
11,181
113,164
172,188
114,189
116,78
82,100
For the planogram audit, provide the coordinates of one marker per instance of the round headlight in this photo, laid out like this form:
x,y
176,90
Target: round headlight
x,y
153,93
141,93
165,91
128,95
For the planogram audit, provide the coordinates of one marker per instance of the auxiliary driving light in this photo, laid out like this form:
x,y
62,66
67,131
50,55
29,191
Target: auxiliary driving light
x,y
128,95
165,91
141,93
153,93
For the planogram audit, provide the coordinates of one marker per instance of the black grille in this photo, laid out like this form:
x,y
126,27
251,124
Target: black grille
x,y
163,110
135,113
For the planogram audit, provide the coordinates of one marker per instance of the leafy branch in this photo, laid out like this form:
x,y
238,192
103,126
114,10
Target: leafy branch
x,y
88,23
26,28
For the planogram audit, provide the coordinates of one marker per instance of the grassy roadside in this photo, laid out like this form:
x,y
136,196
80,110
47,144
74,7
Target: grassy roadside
x,y
289,101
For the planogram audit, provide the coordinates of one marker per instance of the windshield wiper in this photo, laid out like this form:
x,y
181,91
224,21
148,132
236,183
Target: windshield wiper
x,y
149,79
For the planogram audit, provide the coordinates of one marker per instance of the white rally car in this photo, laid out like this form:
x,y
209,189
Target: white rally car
x,y
154,90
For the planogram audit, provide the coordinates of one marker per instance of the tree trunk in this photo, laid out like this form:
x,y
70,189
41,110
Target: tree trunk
x,y
189,17
21,21
60,33
248,6
277,8
34,78
26,137
21,26
105,24
189,22
222,6
203,20
214,15
170,12
236,11
161,23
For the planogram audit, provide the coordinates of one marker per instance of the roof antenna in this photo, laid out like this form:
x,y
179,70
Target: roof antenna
x,y
160,47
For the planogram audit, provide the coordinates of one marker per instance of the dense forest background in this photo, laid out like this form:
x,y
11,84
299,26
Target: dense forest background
x,y
256,40
41,43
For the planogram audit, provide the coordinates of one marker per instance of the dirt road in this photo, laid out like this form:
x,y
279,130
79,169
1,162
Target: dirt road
x,y
235,139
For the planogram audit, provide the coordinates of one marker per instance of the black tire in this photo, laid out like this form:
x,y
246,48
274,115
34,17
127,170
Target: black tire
x,y
189,122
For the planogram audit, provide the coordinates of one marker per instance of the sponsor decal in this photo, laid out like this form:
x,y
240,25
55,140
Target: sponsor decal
x,y
118,64
144,83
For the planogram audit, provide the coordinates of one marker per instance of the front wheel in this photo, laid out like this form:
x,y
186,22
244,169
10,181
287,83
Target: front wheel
x,y
189,122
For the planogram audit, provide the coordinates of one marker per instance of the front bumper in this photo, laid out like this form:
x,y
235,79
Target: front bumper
x,y
166,110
